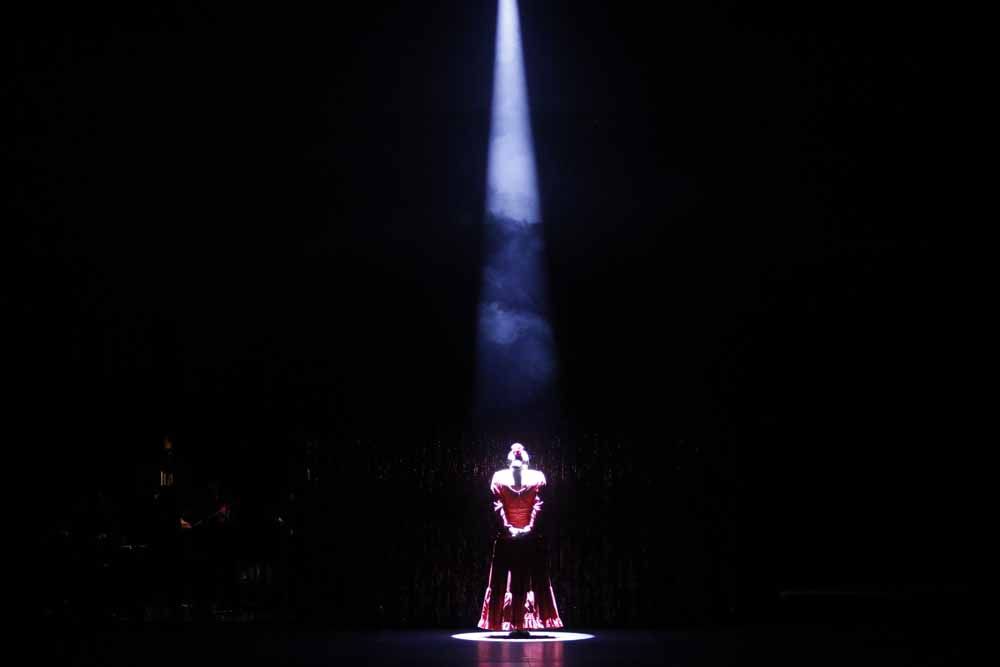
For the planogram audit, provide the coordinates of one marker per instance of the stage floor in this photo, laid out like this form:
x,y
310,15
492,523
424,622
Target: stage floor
x,y
244,645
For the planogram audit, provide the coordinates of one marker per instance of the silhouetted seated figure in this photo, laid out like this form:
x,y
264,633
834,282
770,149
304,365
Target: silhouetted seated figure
x,y
519,595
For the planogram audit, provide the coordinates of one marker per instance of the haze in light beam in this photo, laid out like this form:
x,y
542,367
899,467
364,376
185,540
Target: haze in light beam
x,y
512,184
515,343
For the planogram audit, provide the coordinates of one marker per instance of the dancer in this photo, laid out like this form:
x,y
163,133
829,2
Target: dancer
x,y
519,595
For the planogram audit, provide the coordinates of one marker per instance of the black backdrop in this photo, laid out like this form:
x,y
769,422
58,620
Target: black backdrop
x,y
258,227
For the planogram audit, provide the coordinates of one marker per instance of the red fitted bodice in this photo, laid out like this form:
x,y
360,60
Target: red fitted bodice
x,y
519,505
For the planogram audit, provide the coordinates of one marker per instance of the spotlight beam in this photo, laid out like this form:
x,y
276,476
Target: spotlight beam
x,y
512,180
516,360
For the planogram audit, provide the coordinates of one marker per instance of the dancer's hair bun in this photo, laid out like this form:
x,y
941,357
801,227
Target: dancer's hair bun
x,y
517,453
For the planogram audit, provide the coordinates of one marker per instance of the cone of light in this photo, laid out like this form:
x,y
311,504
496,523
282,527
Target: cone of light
x,y
515,345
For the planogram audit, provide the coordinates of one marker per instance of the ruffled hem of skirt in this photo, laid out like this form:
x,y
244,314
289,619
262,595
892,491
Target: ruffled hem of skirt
x,y
530,623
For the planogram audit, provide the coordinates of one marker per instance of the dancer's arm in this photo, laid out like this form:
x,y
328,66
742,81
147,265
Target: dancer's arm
x,y
537,507
503,524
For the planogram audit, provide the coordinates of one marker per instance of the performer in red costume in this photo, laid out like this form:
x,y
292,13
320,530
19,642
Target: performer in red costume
x,y
519,594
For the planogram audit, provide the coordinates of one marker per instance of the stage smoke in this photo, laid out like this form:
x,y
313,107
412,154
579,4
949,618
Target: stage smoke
x,y
515,346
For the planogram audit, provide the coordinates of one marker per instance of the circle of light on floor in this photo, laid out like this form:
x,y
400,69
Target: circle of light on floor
x,y
543,636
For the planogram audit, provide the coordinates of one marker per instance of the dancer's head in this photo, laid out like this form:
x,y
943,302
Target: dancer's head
x,y
518,456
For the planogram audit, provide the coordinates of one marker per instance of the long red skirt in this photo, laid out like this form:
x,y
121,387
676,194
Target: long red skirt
x,y
519,594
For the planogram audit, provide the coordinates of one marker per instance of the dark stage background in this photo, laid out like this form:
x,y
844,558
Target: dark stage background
x,y
257,230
